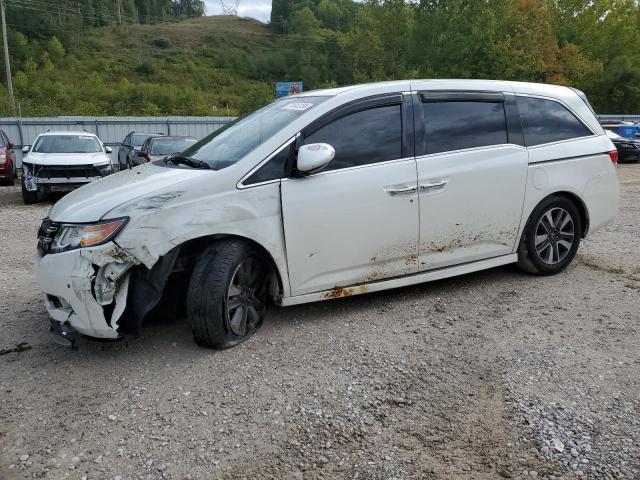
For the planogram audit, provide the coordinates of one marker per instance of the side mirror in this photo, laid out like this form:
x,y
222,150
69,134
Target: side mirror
x,y
314,157
10,146
108,149
26,148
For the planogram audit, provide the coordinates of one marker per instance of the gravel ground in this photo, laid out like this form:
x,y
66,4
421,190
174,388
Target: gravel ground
x,y
491,375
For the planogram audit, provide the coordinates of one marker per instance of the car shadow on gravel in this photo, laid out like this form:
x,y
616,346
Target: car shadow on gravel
x,y
330,310
162,333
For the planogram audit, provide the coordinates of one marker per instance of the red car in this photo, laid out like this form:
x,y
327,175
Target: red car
x,y
159,146
7,160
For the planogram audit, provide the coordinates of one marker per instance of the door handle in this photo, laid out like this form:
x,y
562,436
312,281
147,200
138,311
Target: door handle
x,y
406,190
433,186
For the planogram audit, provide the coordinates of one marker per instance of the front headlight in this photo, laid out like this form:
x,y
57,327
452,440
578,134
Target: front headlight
x,y
78,235
103,168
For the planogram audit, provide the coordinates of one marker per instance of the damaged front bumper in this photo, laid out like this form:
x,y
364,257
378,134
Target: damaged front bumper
x,y
53,178
86,288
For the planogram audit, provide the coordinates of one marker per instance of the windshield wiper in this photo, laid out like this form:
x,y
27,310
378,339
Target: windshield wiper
x,y
191,162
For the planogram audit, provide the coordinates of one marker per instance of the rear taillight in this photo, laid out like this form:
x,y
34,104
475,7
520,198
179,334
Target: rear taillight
x,y
613,155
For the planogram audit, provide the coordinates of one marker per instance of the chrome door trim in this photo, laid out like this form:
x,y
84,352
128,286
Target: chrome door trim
x,y
401,190
434,185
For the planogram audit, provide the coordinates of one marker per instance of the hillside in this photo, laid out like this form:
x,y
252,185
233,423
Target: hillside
x,y
198,66
228,65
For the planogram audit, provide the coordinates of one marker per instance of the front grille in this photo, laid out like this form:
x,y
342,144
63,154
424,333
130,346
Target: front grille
x,y
46,234
67,171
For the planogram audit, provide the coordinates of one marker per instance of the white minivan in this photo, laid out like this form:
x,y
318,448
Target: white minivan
x,y
328,194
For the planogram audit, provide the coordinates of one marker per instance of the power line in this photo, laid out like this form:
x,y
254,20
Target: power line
x,y
48,8
6,57
68,10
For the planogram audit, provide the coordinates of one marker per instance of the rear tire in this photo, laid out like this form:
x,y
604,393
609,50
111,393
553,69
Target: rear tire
x,y
227,295
28,196
551,237
121,165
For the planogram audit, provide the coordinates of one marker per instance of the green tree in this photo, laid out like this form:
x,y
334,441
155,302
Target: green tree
x,y
188,8
30,65
305,22
46,63
21,81
379,40
55,49
452,38
255,97
617,90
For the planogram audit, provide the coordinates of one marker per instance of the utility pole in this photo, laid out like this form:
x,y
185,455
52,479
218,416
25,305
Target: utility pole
x,y
119,13
6,57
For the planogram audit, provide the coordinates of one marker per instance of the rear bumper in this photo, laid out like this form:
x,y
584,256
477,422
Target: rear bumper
x,y
628,156
602,198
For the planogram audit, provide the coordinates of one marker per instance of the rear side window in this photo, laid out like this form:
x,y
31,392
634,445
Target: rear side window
x,y
456,125
546,121
362,138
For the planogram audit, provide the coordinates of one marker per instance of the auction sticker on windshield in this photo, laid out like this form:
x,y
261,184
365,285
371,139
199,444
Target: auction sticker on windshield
x,y
301,106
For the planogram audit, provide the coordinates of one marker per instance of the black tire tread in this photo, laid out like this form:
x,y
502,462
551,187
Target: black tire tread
x,y
207,292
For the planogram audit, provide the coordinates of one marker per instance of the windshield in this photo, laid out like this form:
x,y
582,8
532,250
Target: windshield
x,y
613,135
167,146
230,143
139,139
67,144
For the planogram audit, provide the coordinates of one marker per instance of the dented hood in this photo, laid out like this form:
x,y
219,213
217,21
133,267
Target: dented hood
x,y
91,202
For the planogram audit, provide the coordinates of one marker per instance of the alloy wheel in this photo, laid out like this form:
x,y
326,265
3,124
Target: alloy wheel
x,y
554,235
246,297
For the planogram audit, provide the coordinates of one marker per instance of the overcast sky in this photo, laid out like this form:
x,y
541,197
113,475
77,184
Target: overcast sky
x,y
258,9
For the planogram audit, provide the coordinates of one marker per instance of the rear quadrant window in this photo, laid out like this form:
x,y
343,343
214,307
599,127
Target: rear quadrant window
x,y
546,121
272,170
457,125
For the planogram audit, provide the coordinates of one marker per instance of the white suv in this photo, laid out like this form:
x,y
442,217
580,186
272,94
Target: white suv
x,y
61,162
329,194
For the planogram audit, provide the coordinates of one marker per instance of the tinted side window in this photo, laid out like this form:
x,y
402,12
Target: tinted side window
x,y
362,138
545,121
272,170
453,125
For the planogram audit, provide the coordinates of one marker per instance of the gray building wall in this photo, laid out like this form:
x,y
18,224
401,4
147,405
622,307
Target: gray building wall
x,y
111,130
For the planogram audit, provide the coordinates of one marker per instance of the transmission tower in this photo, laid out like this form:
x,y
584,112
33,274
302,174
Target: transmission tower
x,y
230,7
